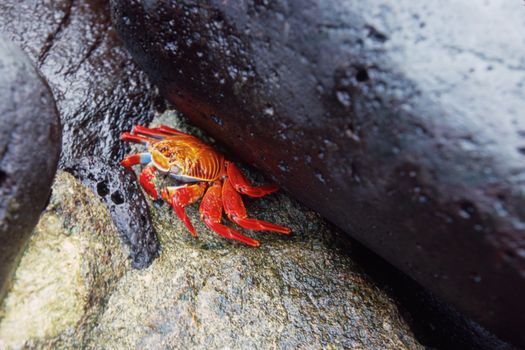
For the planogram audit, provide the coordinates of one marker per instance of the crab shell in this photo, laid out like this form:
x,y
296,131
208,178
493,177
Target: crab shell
x,y
206,175
187,159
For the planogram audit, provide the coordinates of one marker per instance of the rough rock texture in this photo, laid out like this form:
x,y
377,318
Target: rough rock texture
x,y
74,288
121,193
66,274
98,89
29,151
398,122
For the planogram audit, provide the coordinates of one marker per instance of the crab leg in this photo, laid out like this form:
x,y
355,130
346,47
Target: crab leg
x,y
181,196
126,136
170,131
148,173
241,185
234,208
134,159
146,181
211,213
152,132
161,131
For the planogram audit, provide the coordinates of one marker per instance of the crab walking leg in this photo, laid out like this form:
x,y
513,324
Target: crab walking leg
x,y
241,185
152,132
181,196
159,133
211,213
170,131
234,208
126,136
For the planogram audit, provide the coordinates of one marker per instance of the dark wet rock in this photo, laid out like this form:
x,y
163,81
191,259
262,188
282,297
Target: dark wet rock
x,y
97,87
99,92
29,151
120,192
435,323
398,122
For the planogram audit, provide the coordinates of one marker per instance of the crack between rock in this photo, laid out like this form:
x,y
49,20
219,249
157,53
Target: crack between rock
x,y
50,41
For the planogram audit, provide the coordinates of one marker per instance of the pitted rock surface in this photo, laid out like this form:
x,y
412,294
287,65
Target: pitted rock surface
x,y
29,151
398,122
119,190
98,89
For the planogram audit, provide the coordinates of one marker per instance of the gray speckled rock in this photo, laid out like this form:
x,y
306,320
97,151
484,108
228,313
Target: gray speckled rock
x,y
297,291
29,151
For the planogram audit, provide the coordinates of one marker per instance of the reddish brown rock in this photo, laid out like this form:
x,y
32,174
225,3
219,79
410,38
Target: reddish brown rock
x,y
398,122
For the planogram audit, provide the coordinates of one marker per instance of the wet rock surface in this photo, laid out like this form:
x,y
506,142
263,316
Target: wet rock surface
x,y
29,151
399,123
97,87
64,279
121,193
297,291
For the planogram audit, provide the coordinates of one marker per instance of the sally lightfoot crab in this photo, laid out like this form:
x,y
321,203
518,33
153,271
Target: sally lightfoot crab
x,y
204,173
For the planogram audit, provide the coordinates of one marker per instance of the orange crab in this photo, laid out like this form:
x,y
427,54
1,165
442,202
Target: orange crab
x,y
204,172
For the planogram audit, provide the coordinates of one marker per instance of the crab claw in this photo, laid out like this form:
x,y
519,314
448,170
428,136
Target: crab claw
x,y
241,185
211,212
146,181
180,197
234,208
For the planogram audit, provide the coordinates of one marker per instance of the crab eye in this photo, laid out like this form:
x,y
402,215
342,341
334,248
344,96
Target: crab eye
x,y
160,161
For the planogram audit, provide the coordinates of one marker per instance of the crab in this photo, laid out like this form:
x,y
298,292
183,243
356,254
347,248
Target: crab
x,y
202,172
